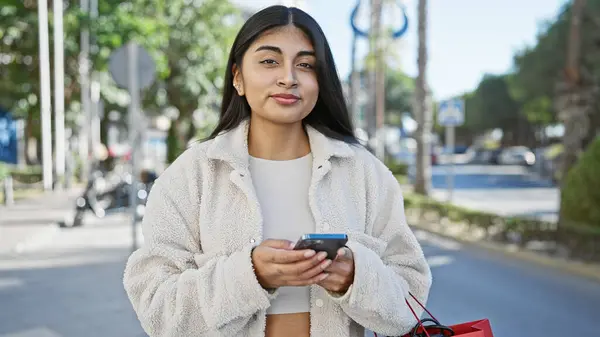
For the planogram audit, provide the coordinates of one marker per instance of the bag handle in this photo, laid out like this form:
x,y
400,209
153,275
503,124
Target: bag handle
x,y
415,314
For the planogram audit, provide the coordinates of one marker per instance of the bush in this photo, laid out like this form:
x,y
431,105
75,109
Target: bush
x,y
580,196
4,170
396,167
580,239
27,175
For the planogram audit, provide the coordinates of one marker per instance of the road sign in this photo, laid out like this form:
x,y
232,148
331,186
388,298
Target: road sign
x,y
133,69
8,138
118,65
451,112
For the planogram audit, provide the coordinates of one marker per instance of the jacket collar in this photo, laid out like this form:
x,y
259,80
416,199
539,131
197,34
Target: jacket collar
x,y
232,146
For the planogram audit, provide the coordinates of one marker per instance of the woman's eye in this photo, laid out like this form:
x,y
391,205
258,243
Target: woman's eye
x,y
269,61
306,65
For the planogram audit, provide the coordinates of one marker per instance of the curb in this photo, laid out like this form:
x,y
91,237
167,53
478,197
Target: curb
x,y
586,270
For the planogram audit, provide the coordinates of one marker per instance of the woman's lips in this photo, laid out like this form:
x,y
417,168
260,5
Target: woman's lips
x,y
285,99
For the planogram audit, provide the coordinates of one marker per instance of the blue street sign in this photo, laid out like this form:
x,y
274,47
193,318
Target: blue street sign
x,y
451,112
8,138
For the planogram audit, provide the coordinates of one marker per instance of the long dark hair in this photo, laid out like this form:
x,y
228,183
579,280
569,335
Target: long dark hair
x,y
330,115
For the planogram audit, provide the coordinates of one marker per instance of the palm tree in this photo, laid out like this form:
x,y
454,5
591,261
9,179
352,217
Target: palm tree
x,y
574,96
422,109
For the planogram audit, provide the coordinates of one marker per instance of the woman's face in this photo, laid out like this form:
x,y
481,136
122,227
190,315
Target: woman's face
x,y
278,76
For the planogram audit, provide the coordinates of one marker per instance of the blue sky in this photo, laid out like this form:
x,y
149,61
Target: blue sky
x,y
467,38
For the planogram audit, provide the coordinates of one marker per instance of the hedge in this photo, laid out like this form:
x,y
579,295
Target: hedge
x,y
580,199
573,240
25,175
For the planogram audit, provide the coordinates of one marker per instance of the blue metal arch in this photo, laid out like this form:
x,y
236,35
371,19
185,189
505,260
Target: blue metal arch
x,y
365,34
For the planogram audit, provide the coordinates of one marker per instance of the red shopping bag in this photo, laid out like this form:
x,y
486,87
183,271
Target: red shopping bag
x,y
431,327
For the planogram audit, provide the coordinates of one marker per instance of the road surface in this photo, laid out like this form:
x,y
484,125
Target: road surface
x,y
504,190
70,286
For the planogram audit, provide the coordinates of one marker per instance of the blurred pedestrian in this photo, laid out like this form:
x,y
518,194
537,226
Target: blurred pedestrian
x,y
221,221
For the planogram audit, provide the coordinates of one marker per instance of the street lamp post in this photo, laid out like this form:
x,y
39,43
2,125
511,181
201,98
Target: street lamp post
x,y
59,88
84,65
46,105
379,87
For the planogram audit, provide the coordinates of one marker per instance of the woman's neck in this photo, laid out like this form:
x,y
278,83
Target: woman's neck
x,y
271,141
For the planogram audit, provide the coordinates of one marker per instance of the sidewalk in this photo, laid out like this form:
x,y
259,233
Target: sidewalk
x,y
28,221
71,287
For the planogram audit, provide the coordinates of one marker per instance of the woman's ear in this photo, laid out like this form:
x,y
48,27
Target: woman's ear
x,y
238,82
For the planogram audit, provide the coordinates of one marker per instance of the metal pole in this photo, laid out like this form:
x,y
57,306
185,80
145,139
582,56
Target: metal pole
x,y
450,149
59,89
94,90
84,65
9,199
21,143
133,134
380,101
45,94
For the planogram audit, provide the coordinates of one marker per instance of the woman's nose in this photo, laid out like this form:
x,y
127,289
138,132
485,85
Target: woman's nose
x,y
288,78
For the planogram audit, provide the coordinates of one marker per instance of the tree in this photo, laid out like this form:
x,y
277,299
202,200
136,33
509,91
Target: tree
x,y
422,108
196,51
19,79
492,106
574,99
399,95
187,41
538,68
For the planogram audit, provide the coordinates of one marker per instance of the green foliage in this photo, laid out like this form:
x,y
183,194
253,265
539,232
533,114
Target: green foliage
x,y
173,147
397,168
528,91
540,67
188,40
399,93
581,239
580,196
4,171
26,175
491,105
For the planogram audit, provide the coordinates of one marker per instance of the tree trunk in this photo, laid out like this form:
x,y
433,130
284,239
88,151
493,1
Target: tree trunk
x,y
573,99
354,85
379,82
372,71
422,109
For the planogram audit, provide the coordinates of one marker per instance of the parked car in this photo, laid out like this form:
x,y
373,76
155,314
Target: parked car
x,y
517,155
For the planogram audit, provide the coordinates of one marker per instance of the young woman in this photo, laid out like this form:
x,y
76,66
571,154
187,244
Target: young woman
x,y
283,161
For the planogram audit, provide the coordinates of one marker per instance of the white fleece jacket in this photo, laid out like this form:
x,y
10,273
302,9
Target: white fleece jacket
x,y
194,276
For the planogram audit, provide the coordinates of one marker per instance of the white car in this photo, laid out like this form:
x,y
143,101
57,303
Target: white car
x,y
516,155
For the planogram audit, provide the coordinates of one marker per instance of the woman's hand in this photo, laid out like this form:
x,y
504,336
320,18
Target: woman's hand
x,y
276,264
341,272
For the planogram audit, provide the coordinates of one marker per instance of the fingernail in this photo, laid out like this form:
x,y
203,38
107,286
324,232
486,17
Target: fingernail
x,y
309,253
323,276
322,255
292,245
326,264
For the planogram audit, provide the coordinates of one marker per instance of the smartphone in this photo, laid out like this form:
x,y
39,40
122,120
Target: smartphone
x,y
329,243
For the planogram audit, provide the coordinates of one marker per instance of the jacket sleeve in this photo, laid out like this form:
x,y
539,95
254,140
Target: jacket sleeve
x,y
389,263
176,289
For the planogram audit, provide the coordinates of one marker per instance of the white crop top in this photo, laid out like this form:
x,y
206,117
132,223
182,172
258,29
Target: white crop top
x,y
282,191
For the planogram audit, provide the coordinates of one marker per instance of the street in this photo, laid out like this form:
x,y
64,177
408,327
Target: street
x,y
519,298
504,190
71,286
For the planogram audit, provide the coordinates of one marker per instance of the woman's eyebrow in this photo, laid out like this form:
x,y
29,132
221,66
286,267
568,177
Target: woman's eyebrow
x,y
278,50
